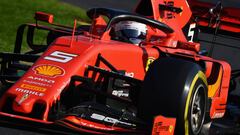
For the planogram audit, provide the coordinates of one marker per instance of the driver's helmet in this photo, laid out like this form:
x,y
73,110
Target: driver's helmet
x,y
130,31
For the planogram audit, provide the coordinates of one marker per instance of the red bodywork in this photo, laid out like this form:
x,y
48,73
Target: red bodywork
x,y
67,56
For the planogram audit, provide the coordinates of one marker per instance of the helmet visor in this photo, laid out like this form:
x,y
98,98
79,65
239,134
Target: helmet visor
x,y
130,31
131,35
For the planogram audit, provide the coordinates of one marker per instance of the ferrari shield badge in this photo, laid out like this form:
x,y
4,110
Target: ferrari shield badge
x,y
149,61
23,98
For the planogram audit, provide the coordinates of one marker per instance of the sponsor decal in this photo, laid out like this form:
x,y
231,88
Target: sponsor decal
x,y
169,14
163,125
23,98
41,79
129,74
149,61
218,115
120,93
109,119
40,94
158,128
49,70
33,87
94,126
37,83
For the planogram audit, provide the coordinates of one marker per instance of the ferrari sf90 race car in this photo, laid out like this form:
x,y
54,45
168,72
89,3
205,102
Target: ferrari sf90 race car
x,y
145,76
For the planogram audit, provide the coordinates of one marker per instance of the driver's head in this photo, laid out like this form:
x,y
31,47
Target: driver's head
x,y
130,31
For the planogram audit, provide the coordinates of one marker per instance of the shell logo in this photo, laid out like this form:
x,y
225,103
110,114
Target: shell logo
x,y
49,70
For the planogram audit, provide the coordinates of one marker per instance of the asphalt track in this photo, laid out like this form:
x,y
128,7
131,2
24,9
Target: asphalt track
x,y
229,54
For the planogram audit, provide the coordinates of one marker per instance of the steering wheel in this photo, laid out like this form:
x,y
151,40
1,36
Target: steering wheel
x,y
116,16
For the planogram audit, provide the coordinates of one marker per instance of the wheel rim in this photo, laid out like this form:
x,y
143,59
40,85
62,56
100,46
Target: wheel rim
x,y
197,113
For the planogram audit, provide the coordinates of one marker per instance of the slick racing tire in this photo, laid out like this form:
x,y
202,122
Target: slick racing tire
x,y
175,88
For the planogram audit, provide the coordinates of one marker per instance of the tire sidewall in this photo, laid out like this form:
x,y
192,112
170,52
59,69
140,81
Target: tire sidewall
x,y
197,81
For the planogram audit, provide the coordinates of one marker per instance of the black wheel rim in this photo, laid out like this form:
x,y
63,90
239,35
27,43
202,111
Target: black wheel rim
x,y
197,112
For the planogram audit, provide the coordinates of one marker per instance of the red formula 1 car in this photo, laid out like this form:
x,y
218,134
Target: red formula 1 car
x,y
88,79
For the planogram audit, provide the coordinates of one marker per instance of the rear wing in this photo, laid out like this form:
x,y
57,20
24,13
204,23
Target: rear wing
x,y
211,17
216,17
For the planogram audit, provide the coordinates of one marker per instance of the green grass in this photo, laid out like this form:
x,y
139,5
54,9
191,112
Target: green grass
x,y
16,12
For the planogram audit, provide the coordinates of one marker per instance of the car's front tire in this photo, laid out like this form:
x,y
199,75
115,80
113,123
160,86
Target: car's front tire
x,y
176,88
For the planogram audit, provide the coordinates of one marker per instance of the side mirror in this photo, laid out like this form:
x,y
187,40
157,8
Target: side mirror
x,y
45,17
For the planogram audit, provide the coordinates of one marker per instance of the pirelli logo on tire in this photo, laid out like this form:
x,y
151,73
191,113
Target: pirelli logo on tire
x,y
32,87
149,61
